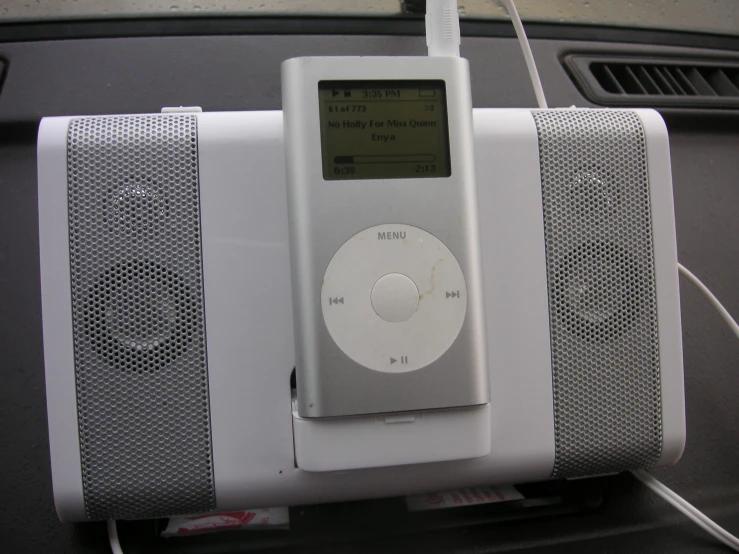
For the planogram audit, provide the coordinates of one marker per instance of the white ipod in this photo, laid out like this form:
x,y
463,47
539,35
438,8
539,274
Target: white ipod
x,y
384,235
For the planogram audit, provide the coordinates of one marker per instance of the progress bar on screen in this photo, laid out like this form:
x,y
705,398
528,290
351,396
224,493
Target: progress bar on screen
x,y
385,159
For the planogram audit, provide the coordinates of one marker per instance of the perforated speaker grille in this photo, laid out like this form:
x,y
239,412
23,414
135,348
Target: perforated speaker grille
x,y
138,316
602,295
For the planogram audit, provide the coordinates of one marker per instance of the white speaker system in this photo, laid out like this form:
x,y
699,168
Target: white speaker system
x,y
168,331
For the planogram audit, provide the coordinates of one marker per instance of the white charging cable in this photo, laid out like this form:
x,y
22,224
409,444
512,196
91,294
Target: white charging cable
x,y
673,498
442,28
711,298
443,37
690,511
115,545
527,54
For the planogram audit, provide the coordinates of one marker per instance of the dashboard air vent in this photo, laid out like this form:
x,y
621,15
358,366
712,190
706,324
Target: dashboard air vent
x,y
650,81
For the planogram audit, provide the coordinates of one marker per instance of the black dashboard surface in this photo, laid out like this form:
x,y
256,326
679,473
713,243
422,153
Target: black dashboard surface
x,y
78,76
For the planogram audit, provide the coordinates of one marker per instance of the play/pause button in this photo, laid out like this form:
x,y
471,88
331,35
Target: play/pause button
x,y
403,360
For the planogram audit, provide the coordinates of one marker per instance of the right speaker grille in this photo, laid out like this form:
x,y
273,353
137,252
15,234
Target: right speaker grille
x,y
602,292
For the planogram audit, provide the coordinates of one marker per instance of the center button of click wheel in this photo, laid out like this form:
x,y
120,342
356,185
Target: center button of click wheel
x,y
395,297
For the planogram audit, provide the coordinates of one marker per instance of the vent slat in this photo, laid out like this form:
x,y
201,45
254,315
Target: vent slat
x,y
720,82
667,81
607,71
701,84
673,79
667,88
635,79
606,79
734,77
626,79
647,81
685,83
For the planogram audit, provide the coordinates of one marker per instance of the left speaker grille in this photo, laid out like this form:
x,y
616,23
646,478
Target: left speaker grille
x,y
138,316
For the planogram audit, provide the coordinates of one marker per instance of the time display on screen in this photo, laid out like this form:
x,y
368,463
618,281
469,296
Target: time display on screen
x,y
384,129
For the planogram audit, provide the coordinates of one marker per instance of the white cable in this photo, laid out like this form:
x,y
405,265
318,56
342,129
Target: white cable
x,y
685,507
115,545
442,28
711,298
690,511
527,54
681,504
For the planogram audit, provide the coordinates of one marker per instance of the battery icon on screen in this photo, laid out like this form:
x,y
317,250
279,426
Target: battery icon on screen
x,y
426,93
